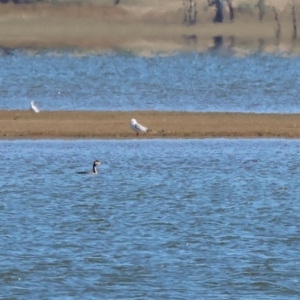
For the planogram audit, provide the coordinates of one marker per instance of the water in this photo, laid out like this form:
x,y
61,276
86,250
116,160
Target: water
x,y
184,82
163,219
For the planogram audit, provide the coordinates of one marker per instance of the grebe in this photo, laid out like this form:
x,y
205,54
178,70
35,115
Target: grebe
x,y
94,171
33,107
138,127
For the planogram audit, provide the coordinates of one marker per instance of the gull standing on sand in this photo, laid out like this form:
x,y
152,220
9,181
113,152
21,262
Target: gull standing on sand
x,y
33,107
138,127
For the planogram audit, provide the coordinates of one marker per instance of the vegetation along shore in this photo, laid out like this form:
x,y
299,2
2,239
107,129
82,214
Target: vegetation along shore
x,y
147,27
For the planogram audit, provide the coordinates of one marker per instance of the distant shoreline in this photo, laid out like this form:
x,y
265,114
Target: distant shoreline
x,y
141,28
19,124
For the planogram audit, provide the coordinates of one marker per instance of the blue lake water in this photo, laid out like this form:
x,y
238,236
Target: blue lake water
x,y
184,82
163,219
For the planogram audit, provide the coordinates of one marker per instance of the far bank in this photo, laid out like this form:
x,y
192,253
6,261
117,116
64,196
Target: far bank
x,y
142,27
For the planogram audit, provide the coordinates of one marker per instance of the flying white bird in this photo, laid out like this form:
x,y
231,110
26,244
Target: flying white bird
x,y
138,127
94,170
33,107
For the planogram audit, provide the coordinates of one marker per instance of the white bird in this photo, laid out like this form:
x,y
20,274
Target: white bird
x,y
138,127
94,170
33,107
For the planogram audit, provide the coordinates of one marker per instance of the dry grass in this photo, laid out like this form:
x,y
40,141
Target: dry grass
x,y
105,125
136,26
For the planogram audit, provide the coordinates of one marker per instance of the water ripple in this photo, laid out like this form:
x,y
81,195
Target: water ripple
x,y
162,219
184,82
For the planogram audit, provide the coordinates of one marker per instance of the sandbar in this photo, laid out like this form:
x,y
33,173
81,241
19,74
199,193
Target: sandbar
x,y
18,124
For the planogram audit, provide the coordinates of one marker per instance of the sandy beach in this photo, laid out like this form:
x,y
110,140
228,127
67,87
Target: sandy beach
x,y
141,27
115,125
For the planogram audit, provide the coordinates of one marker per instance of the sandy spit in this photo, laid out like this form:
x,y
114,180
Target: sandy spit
x,y
18,124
